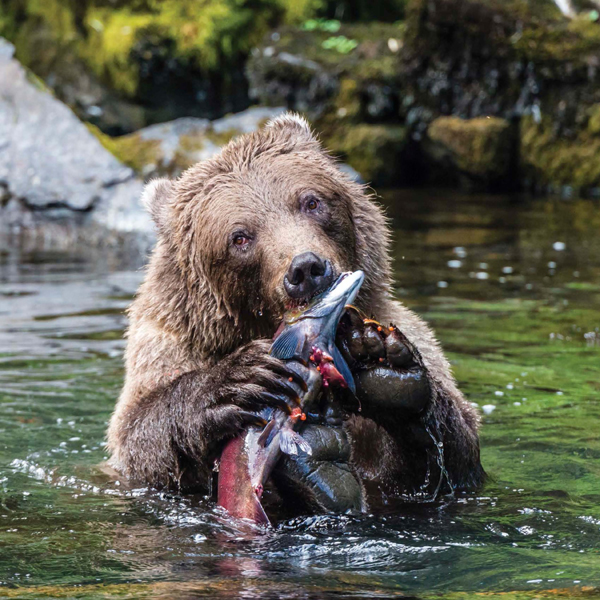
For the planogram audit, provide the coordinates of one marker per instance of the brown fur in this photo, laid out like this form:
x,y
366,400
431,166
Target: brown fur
x,y
195,359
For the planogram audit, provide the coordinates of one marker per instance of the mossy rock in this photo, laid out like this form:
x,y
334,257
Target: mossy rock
x,y
551,160
303,70
375,151
528,29
480,149
170,148
130,149
593,125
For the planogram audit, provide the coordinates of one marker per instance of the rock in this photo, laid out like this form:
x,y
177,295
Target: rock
x,y
374,151
558,164
293,80
303,72
52,167
353,174
479,149
467,59
170,148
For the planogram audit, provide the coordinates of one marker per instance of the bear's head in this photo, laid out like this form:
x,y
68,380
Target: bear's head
x,y
263,226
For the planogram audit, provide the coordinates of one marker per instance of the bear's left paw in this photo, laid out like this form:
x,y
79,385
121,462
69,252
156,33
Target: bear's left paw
x,y
390,377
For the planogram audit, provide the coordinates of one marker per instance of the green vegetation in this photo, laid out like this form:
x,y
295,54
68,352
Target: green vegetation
x,y
370,76
329,25
117,40
131,149
340,43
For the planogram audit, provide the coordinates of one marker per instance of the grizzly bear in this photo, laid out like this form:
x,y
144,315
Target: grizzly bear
x,y
266,225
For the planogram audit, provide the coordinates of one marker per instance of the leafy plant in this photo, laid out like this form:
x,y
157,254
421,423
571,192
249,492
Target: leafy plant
x,y
328,25
340,43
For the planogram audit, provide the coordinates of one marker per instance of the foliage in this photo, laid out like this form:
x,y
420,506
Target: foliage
x,y
117,39
329,25
340,43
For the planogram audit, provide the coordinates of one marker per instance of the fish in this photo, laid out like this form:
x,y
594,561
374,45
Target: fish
x,y
306,340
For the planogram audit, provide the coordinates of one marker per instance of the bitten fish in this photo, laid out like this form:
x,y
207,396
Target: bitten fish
x,y
306,339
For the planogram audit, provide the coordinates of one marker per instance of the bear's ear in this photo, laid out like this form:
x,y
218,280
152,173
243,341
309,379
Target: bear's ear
x,y
292,122
155,198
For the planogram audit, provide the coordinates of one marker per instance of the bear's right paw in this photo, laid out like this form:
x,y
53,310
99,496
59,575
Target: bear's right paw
x,y
251,380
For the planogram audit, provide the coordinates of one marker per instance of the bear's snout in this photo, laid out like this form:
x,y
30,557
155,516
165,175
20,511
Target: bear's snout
x,y
308,274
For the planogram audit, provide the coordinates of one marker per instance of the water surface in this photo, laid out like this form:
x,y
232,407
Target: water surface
x,y
512,287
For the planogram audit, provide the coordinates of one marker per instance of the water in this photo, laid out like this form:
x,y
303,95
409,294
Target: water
x,y
513,291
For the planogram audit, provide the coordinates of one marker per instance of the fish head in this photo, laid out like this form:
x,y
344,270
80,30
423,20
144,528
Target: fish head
x,y
332,302
317,324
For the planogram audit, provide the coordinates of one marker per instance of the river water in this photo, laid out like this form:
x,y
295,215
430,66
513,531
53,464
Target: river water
x,y
512,287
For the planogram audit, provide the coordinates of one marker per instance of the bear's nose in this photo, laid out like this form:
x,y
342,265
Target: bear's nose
x,y
307,275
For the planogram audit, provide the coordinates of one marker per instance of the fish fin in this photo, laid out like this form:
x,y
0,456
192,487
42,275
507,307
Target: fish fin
x,y
266,436
287,442
302,443
290,441
342,366
286,345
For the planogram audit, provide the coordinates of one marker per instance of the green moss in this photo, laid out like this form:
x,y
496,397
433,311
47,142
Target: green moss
x,y
131,149
114,39
221,138
372,48
551,159
373,150
532,30
477,147
347,103
593,125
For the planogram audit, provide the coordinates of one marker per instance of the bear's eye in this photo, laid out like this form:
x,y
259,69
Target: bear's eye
x,y
312,204
240,240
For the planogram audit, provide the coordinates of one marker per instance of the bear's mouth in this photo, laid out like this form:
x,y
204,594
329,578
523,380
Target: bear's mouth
x,y
301,303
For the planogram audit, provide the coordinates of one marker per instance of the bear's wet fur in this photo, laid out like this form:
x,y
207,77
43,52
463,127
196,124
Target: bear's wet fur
x,y
197,358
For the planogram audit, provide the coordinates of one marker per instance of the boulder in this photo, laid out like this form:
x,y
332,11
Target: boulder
x,y
375,151
480,150
52,168
512,60
559,164
170,148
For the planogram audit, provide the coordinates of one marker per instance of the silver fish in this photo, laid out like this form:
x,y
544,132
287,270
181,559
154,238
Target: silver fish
x,y
307,340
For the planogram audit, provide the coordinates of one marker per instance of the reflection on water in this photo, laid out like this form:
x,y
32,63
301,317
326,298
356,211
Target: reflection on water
x,y
513,290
